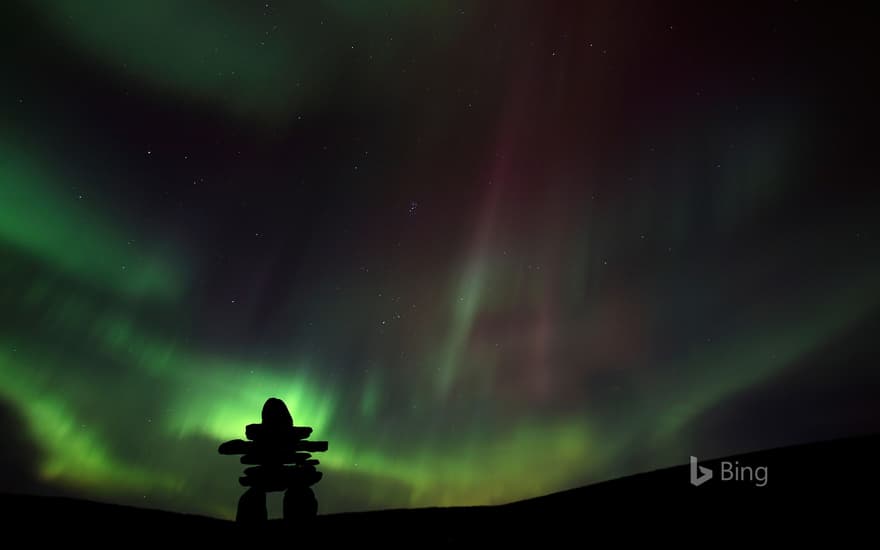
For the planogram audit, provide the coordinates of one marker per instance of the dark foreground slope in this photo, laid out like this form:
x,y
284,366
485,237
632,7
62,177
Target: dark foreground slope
x,y
822,480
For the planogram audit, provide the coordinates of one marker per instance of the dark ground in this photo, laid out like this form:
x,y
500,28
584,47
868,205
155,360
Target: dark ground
x,y
809,488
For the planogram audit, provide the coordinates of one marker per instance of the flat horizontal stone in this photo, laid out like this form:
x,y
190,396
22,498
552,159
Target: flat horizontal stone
x,y
236,447
240,447
255,432
275,458
279,478
312,446
276,471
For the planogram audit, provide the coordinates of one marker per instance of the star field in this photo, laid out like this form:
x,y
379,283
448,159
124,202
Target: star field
x,y
488,250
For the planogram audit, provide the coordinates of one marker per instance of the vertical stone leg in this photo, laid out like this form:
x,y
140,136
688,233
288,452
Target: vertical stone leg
x,y
299,503
252,507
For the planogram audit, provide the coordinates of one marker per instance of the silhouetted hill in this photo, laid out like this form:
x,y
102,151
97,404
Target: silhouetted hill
x,y
828,478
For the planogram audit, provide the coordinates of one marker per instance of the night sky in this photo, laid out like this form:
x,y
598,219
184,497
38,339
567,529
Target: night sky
x,y
488,250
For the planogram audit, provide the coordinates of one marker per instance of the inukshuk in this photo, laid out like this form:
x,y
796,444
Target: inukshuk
x,y
279,453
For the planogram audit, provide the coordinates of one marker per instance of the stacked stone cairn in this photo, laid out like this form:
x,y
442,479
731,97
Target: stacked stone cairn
x,y
280,460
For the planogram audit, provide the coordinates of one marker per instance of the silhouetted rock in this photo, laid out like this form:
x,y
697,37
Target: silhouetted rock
x,y
275,458
279,478
300,502
312,446
252,507
255,431
275,413
236,447
282,462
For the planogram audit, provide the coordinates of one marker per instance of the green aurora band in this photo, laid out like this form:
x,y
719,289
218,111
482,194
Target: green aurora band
x,y
172,394
97,348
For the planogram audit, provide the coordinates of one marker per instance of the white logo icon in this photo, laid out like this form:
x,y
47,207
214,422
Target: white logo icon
x,y
699,474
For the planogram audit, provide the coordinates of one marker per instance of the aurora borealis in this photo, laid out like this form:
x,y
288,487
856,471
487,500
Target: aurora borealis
x,y
488,250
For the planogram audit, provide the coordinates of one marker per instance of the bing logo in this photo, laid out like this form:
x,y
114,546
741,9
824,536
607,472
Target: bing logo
x,y
730,471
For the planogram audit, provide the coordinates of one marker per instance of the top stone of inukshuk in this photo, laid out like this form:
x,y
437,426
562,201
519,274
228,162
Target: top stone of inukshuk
x,y
279,451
